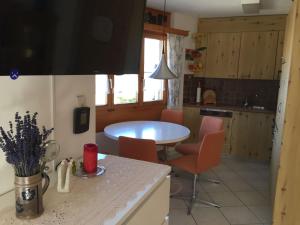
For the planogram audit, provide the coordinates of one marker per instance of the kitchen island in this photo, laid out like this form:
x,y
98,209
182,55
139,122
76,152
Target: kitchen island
x,y
130,192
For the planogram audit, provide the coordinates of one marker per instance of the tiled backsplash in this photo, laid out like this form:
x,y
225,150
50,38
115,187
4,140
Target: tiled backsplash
x,y
232,92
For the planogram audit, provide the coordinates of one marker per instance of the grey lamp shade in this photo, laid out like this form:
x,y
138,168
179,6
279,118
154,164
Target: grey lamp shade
x,y
163,72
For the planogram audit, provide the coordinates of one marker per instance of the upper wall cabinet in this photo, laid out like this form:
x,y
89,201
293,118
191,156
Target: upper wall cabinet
x,y
242,47
258,55
223,55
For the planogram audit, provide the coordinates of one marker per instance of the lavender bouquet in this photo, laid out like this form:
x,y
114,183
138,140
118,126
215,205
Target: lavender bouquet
x,y
25,146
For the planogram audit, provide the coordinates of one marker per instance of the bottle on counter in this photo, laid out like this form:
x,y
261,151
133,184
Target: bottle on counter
x,y
198,96
64,171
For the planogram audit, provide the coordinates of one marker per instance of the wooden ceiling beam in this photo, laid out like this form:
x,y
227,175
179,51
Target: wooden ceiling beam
x,y
160,30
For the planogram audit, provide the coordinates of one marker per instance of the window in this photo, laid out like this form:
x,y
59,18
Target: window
x,y
102,89
126,89
133,89
153,89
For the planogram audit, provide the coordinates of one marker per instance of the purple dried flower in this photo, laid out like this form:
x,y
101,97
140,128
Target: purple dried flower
x,y
24,148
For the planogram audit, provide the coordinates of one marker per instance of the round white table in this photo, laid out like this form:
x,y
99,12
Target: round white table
x,y
160,132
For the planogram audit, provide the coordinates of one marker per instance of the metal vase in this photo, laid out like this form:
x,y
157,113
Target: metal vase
x,y
29,195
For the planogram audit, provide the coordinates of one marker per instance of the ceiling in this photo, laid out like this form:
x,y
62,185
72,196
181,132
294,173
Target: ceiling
x,y
219,8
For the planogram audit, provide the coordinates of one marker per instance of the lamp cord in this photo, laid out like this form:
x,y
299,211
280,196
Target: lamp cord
x,y
163,21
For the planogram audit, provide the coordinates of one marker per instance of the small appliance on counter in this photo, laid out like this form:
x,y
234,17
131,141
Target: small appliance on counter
x,y
209,97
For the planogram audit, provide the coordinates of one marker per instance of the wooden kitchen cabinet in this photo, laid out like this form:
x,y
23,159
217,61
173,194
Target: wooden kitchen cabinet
x,y
258,55
227,129
251,135
222,55
247,134
192,120
239,134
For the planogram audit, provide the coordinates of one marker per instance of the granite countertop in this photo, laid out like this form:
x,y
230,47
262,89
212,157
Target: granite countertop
x,y
108,199
230,108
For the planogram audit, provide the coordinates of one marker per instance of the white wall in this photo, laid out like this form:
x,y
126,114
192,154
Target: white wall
x,y
54,99
67,88
185,22
26,93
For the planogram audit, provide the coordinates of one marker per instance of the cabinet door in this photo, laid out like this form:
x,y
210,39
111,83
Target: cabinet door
x,y
227,129
154,209
261,129
251,135
223,55
258,55
239,135
192,120
256,134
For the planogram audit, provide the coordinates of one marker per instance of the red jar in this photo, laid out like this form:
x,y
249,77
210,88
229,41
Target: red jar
x,y
90,153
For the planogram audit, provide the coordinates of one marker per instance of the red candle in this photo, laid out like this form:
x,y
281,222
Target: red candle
x,y
90,158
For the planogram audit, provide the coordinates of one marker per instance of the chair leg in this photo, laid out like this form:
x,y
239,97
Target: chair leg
x,y
193,199
212,180
194,196
209,203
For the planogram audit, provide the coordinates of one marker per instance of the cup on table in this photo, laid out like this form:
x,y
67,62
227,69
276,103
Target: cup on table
x,y
90,153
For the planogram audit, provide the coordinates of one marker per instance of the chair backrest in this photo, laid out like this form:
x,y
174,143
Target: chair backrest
x,y
172,116
140,149
209,125
210,151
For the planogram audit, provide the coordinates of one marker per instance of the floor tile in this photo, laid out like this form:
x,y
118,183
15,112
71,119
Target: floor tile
x,y
177,204
266,194
225,199
180,217
221,167
238,185
248,175
209,216
237,166
208,175
227,175
212,187
239,215
252,198
260,184
264,213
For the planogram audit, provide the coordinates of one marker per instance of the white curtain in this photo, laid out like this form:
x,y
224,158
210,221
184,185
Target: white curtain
x,y
176,64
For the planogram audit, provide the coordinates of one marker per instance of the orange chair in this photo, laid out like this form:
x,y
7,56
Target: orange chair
x,y
172,116
140,149
209,124
209,156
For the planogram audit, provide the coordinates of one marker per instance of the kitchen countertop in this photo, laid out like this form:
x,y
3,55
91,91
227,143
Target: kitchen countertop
x,y
108,199
229,108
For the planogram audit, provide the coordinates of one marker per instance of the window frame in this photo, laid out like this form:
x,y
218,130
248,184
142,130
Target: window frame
x,y
111,106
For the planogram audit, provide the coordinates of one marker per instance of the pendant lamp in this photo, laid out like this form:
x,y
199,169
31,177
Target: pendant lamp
x,y
163,72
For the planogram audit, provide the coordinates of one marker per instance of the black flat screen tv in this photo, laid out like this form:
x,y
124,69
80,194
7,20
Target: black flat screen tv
x,y
69,37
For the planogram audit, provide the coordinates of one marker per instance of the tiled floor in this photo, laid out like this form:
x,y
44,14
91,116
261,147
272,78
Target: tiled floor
x,y
243,196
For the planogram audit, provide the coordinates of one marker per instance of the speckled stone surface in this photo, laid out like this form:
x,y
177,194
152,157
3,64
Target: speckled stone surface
x,y
108,199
